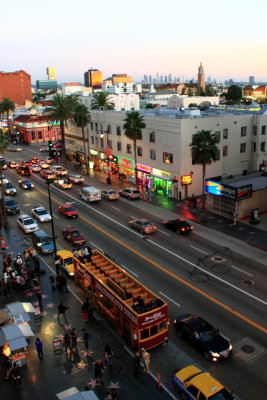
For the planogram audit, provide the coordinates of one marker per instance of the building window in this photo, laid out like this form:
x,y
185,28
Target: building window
x,y
225,133
96,141
255,130
225,151
96,126
254,147
92,139
153,154
243,147
108,128
109,143
152,137
129,148
119,146
33,135
140,151
263,146
92,125
168,158
40,136
218,135
263,130
218,155
243,131
118,131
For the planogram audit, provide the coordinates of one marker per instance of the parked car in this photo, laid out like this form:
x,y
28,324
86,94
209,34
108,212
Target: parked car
x,y
68,210
27,224
74,236
178,225
109,195
143,225
11,206
3,180
130,194
9,189
202,335
63,184
41,214
13,164
25,184
76,178
3,164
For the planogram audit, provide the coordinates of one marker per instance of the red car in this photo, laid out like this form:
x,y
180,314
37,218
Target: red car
x,y
74,236
35,160
68,211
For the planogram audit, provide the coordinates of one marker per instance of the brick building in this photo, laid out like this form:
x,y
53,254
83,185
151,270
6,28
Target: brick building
x,y
37,128
15,86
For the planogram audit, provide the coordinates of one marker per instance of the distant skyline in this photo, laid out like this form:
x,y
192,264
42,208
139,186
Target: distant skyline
x,y
140,38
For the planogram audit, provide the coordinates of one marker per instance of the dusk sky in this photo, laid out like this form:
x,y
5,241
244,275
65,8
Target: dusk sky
x,y
138,37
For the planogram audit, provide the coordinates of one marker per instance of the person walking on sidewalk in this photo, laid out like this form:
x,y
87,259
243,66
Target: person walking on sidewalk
x,y
39,295
74,338
9,367
108,356
146,359
16,374
61,311
39,348
52,282
86,338
99,370
136,364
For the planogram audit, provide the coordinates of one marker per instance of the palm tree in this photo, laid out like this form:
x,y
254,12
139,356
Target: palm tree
x,y
102,101
62,109
134,123
204,151
81,118
4,144
6,106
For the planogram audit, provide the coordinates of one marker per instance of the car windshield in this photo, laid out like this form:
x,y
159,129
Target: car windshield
x,y
223,394
135,191
111,192
28,221
10,203
46,240
181,223
207,335
75,234
42,212
9,185
146,223
68,261
68,209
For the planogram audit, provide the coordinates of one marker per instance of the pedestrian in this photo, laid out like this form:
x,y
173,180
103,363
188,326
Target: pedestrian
x,y
114,394
84,309
67,343
39,295
36,266
74,338
146,359
26,257
136,364
195,202
234,215
57,264
16,374
108,356
61,311
9,367
39,348
86,338
52,282
63,282
99,370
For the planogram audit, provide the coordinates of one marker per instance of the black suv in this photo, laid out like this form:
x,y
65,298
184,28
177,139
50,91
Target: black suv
x,y
11,206
26,171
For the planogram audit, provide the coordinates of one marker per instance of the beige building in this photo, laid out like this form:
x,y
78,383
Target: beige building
x,y
184,101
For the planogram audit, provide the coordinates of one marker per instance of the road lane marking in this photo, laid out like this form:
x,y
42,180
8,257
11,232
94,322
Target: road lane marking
x,y
27,194
55,216
165,233
167,297
128,269
163,269
133,217
115,208
97,247
201,251
241,270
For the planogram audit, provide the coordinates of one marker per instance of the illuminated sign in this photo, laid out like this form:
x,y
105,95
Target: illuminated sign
x,y
142,167
227,191
93,152
161,174
186,180
126,163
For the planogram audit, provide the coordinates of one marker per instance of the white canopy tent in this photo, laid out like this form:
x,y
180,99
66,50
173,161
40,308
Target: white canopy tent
x,y
74,394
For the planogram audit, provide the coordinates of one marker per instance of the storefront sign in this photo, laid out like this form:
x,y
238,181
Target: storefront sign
x,y
93,152
144,168
186,179
161,174
126,163
227,191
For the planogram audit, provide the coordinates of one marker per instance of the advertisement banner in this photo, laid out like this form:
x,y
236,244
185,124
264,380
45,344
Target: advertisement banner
x,y
227,191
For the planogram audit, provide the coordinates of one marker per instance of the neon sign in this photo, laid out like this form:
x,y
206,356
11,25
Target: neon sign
x,y
142,167
186,180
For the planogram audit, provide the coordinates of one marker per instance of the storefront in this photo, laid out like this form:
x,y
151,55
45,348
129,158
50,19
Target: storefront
x,y
143,176
94,160
161,182
126,168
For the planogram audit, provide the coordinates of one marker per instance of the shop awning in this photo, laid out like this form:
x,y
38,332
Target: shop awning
x,y
13,336
26,330
19,308
74,394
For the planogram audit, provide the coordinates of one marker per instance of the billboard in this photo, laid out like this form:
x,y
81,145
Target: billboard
x,y
227,191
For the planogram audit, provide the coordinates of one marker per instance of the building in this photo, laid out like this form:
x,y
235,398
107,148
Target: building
x,y
51,73
184,101
120,78
16,86
122,101
70,88
93,78
260,93
201,78
46,85
251,80
121,88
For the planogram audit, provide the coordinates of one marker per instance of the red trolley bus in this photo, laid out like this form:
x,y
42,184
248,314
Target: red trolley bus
x,y
138,315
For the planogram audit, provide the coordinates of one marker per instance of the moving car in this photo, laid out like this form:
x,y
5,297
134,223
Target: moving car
x,y
66,261
36,168
57,146
143,225
11,206
130,194
26,163
109,195
90,194
41,214
26,171
27,224
63,184
43,242
35,160
13,164
44,165
9,189
14,148
3,180
74,236
59,170
48,175
196,384
25,184
44,148
178,225
203,336
68,210
3,164
76,178
49,160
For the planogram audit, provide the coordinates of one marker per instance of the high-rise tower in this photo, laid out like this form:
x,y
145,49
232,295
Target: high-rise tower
x,y
201,78
51,73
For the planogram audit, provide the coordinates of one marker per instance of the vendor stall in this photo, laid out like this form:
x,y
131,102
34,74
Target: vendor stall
x,y
74,394
19,312
13,339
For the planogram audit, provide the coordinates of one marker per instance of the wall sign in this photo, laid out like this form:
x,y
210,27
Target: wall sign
x,y
227,191
161,174
186,180
126,163
143,167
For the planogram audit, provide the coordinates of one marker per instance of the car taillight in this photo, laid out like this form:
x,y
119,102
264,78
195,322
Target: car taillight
x,y
183,229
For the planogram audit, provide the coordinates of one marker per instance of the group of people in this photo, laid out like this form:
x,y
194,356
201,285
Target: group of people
x,y
137,362
84,255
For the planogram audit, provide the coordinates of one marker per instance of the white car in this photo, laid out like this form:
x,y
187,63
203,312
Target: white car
x,y
76,178
4,180
27,224
45,148
41,214
35,168
59,170
49,160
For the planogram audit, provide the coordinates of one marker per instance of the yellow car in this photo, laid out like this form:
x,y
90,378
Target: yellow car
x,y
66,261
196,384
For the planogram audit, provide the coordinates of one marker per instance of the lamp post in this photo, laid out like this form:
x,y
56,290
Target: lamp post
x,y
52,224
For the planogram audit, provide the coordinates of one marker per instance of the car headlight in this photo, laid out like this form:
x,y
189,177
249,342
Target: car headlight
x,y
71,273
24,186
230,347
42,219
7,191
39,244
214,354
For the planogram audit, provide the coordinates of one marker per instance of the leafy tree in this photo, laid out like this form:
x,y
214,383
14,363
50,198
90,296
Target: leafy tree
x,y
6,106
81,118
210,91
191,105
134,123
204,150
4,144
190,92
62,109
234,93
102,100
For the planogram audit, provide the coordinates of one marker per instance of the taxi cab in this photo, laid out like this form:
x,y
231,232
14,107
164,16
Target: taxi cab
x,y
196,384
66,261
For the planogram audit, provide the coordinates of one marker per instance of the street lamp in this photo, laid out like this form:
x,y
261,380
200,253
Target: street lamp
x,y
52,224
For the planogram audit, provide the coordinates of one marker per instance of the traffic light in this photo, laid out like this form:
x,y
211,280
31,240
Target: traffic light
x,y
50,146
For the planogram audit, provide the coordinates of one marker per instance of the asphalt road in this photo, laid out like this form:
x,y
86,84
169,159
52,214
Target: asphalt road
x,y
194,274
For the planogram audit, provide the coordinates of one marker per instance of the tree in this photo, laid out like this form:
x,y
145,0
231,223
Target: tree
x,y
204,151
234,93
6,106
81,118
134,123
4,144
62,109
102,100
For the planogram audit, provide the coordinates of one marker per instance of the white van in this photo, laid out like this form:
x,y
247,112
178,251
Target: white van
x,y
90,194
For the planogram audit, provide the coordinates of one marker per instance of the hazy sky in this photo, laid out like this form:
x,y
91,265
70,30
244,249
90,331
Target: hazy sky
x,y
135,37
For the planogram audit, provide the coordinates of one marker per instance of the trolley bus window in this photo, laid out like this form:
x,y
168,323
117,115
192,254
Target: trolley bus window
x,y
162,326
154,330
144,334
